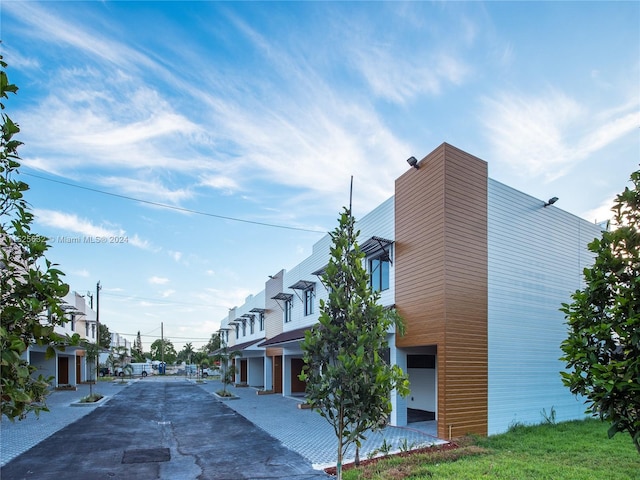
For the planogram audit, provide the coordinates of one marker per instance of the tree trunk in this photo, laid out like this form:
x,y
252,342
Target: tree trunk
x,y
339,463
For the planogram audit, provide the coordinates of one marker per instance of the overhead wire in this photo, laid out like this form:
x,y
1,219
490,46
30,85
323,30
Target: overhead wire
x,y
173,207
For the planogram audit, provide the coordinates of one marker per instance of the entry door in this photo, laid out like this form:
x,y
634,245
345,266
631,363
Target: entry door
x,y
243,371
63,370
297,385
78,369
277,374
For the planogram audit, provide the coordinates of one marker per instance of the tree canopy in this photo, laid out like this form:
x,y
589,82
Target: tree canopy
x,y
602,351
170,354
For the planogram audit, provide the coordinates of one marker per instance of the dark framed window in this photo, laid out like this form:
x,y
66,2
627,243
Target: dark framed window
x,y
237,331
252,325
261,321
244,328
288,306
308,301
379,273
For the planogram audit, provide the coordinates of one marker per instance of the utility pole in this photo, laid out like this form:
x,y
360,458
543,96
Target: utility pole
x,y
98,288
164,365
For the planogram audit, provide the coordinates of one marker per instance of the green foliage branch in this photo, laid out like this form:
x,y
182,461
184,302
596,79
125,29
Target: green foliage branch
x,y
347,380
31,287
602,350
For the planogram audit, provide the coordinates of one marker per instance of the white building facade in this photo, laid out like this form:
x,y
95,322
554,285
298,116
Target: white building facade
x,y
477,270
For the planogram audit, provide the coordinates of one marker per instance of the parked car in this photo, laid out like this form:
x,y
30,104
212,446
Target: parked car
x,y
210,371
104,372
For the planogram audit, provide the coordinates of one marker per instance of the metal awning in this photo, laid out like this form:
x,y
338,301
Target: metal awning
x,y
283,296
303,285
258,310
375,245
320,271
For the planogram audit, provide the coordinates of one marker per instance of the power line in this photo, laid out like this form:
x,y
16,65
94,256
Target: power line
x,y
173,207
161,301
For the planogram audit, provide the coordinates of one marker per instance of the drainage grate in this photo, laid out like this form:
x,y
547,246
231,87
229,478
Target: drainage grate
x,y
146,455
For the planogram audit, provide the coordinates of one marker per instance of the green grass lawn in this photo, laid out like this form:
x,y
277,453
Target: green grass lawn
x,y
578,450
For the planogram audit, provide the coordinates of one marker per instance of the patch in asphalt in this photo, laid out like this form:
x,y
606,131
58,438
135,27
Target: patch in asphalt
x,y
146,455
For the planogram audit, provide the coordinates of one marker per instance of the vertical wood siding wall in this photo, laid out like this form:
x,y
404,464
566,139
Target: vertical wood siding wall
x,y
441,279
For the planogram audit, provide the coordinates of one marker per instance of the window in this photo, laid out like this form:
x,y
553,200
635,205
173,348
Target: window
x,y
261,320
237,331
93,331
252,325
244,328
308,302
288,304
227,336
379,273
73,323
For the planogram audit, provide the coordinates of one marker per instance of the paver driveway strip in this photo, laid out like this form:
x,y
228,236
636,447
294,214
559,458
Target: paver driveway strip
x,y
161,430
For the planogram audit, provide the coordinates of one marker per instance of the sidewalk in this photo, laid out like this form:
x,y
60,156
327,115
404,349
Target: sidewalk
x,y
309,434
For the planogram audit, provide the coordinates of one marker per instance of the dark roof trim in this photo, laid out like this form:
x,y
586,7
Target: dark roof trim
x,y
239,347
283,296
303,285
242,346
258,310
285,337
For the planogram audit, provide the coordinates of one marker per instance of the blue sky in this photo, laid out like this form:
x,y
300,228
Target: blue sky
x,y
263,111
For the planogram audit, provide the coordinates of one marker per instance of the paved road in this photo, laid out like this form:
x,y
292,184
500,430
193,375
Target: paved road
x,y
161,430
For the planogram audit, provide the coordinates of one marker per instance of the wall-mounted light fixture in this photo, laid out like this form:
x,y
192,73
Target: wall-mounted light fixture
x,y
551,201
413,162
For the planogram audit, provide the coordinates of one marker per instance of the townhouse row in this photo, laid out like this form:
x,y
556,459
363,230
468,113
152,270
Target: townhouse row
x,y
70,366
478,271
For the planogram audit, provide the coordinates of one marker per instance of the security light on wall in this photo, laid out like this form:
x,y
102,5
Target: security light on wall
x,y
551,201
413,162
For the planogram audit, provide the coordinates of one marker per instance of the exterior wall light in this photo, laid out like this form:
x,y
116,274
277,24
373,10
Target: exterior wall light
x,y
413,162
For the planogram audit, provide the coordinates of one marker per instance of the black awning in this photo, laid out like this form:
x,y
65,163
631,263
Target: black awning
x,y
303,285
283,296
375,245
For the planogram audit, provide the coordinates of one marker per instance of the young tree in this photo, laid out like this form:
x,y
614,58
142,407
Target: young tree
x,y
226,359
31,287
136,350
602,350
104,336
348,382
213,344
186,353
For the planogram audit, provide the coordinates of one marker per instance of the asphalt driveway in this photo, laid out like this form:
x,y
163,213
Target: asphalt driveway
x,y
161,430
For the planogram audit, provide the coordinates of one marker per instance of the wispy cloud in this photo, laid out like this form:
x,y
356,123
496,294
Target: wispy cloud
x,y
546,135
403,78
158,280
71,222
146,189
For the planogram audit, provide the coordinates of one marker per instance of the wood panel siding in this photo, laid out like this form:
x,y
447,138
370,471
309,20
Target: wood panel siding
x,y
441,279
